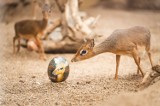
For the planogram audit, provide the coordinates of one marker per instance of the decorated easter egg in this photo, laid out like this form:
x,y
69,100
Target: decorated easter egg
x,y
58,69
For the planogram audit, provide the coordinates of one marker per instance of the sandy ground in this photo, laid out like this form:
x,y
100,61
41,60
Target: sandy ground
x,y
24,80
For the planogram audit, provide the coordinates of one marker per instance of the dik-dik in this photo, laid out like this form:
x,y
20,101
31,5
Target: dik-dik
x,y
32,30
120,42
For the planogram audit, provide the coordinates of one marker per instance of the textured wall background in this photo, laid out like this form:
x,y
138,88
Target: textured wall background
x,y
14,9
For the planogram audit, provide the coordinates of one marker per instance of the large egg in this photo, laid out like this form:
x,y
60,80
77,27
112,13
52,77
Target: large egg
x,y
58,69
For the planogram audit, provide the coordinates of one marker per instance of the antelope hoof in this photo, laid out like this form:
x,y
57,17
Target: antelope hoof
x,y
14,53
116,78
142,75
74,60
43,57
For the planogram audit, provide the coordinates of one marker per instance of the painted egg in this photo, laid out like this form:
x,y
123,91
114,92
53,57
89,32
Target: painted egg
x,y
58,69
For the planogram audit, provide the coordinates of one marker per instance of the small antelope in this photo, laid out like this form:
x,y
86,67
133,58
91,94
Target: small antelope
x,y
120,42
32,30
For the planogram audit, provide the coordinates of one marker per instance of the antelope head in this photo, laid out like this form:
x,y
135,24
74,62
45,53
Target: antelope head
x,y
85,51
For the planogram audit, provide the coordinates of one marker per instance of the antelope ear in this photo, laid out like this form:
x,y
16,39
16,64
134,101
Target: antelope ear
x,y
91,43
45,6
52,6
85,40
40,4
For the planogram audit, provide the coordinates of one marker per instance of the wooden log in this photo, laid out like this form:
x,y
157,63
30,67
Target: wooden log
x,y
65,46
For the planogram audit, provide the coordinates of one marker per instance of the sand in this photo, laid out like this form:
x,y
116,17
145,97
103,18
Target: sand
x,y
24,80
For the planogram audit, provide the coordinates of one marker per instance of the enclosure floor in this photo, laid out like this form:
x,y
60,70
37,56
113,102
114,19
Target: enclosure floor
x,y
24,79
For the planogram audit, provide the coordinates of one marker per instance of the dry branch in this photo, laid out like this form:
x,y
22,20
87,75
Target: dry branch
x,y
150,76
72,13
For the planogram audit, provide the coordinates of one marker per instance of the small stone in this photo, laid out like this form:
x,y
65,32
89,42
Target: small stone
x,y
33,76
88,82
56,103
38,83
20,76
21,81
136,90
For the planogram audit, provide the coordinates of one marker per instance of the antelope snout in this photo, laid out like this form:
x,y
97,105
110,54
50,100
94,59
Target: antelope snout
x,y
73,60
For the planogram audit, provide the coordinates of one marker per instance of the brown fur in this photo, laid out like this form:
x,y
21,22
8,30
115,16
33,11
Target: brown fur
x,y
32,30
120,42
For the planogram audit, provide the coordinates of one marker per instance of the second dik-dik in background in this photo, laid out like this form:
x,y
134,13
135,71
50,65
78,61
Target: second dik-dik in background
x,y
33,30
120,42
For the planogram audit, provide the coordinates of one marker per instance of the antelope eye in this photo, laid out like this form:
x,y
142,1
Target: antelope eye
x,y
61,68
49,11
83,52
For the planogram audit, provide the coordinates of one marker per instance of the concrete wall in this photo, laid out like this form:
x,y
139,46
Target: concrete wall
x,y
131,4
